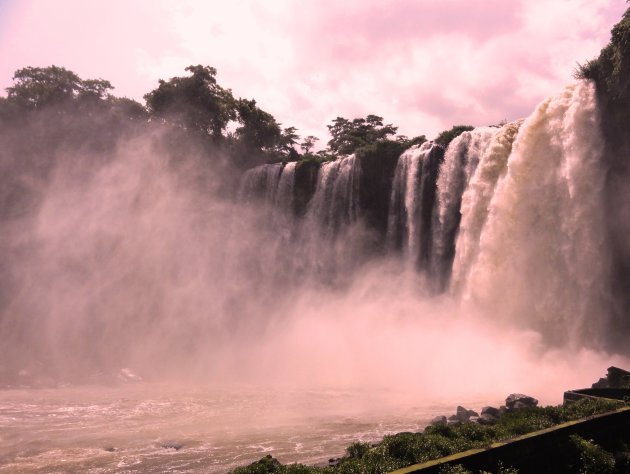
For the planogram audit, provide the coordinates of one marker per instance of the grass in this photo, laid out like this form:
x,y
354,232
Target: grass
x,y
403,449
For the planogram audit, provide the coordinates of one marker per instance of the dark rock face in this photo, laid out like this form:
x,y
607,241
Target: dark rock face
x,y
517,401
428,190
378,163
611,73
304,187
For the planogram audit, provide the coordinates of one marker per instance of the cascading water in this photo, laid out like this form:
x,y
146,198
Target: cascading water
x,y
336,198
261,182
460,161
500,205
411,202
542,259
284,192
476,200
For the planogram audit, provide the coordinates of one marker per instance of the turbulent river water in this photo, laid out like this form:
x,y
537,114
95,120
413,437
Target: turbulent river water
x,y
153,428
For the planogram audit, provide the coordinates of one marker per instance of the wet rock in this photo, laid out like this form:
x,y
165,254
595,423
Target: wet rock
x,y
438,420
516,401
175,446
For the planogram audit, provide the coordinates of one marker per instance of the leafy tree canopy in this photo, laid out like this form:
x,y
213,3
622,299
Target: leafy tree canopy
x,y
348,135
308,143
447,136
196,102
409,142
258,129
37,87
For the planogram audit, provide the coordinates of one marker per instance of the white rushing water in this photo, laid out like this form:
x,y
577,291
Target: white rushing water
x,y
476,201
153,428
284,191
542,260
336,199
405,223
261,181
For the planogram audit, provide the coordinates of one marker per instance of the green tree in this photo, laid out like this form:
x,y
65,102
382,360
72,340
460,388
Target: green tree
x,y
308,143
445,137
196,103
348,135
288,140
36,87
408,142
259,129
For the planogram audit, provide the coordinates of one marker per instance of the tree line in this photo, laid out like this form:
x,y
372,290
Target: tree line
x,y
196,104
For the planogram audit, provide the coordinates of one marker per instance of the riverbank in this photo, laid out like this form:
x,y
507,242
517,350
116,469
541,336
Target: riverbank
x,y
564,432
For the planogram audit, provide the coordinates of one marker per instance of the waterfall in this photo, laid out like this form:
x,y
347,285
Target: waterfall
x,y
260,183
336,198
411,202
542,258
476,200
460,161
284,191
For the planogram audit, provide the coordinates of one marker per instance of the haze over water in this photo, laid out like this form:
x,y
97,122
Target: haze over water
x,y
161,309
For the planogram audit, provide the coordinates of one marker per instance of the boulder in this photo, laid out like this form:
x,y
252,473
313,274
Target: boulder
x,y
453,420
487,419
516,401
438,420
462,414
491,411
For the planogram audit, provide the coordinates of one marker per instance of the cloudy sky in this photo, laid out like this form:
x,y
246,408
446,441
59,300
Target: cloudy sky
x,y
422,64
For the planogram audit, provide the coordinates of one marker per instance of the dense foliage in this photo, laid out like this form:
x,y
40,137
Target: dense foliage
x,y
447,136
403,449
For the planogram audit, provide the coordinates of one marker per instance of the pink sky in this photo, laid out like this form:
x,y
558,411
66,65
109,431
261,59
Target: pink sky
x,y
423,65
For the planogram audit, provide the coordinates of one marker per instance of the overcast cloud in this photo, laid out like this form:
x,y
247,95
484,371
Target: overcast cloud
x,y
423,65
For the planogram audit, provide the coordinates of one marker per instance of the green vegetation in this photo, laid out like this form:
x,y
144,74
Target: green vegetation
x,y
403,449
447,136
611,70
348,136
459,469
592,458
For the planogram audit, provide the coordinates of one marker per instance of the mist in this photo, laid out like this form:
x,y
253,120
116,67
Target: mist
x,y
140,258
